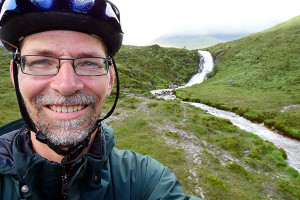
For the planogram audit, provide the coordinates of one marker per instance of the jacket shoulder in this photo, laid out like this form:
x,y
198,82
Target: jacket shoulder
x,y
144,177
14,125
7,135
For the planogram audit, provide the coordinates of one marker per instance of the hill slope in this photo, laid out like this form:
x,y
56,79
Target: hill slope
x,y
145,68
187,41
257,76
194,41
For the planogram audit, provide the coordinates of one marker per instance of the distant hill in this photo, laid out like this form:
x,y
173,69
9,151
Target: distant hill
x,y
193,41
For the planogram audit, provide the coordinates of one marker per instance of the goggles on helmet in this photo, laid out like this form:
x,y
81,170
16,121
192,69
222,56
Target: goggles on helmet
x,y
100,18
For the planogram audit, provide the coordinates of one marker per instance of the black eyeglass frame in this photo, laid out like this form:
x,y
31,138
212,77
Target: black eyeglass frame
x,y
108,61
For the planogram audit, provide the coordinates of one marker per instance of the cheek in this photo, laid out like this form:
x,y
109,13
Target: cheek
x,y
98,86
31,86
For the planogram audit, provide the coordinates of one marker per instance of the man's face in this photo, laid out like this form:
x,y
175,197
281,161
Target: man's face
x,y
64,107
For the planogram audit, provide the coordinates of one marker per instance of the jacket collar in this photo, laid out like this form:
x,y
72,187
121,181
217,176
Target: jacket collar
x,y
42,176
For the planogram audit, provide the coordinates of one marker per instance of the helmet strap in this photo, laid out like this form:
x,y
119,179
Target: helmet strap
x,y
117,93
22,106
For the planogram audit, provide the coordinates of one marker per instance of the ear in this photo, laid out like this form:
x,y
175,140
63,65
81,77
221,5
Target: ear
x,y
12,72
111,80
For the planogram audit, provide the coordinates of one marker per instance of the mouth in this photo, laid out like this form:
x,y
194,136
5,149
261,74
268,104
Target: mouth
x,y
66,109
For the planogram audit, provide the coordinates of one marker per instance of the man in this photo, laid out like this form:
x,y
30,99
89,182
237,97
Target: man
x,y
62,70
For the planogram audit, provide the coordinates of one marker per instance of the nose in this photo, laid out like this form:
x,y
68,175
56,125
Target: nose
x,y
66,82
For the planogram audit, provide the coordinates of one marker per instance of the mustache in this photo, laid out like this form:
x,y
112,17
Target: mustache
x,y
79,98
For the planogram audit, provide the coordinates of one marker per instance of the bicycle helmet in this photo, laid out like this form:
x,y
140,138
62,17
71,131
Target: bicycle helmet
x,y
100,18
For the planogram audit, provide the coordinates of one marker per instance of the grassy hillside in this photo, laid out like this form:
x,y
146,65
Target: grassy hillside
x,y
8,102
258,77
145,68
212,158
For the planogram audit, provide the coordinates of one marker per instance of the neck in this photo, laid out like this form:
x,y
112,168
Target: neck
x,y
45,151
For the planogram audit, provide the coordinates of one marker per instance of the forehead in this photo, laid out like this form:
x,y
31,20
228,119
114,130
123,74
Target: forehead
x,y
63,43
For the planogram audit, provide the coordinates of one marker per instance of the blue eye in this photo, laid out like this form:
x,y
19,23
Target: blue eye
x,y
90,64
42,62
38,62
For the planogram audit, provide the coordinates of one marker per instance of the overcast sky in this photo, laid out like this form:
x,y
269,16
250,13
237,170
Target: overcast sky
x,y
145,20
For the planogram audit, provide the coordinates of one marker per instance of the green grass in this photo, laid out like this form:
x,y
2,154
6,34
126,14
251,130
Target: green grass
x,y
8,100
257,77
258,174
146,68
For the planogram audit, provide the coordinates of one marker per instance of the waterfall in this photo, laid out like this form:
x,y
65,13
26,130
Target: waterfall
x,y
292,147
206,65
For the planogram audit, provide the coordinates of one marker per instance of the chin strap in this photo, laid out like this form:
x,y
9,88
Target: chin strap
x,y
23,110
70,154
117,93
74,151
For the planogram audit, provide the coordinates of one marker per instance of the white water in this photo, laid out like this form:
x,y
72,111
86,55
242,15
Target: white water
x,y
291,147
206,65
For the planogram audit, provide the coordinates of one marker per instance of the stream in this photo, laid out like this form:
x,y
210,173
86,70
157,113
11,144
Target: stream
x,y
291,146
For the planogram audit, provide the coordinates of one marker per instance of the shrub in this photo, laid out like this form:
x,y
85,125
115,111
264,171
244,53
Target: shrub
x,y
292,172
282,151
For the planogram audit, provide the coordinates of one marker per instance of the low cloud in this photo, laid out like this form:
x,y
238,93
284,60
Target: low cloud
x,y
145,20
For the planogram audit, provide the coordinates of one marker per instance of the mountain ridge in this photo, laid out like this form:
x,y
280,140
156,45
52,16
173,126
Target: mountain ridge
x,y
194,41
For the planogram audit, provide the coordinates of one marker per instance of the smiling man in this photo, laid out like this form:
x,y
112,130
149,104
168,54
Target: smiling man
x,y
65,106
63,70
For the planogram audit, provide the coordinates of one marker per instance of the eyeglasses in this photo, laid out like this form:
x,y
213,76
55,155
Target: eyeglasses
x,y
47,65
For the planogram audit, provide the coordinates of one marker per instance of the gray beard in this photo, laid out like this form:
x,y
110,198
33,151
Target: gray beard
x,y
66,133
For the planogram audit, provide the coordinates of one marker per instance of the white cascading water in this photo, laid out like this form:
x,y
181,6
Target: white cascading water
x,y
206,65
291,146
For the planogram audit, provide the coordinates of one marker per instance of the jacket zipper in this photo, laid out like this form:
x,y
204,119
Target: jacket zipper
x,y
64,183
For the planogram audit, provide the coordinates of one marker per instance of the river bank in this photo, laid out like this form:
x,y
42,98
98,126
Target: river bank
x,y
211,157
289,145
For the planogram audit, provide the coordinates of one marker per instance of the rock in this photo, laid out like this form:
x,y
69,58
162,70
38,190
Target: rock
x,y
247,153
173,86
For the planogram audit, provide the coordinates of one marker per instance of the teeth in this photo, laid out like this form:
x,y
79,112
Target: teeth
x,y
70,109
65,109
58,109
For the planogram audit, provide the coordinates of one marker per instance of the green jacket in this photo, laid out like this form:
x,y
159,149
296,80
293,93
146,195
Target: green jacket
x,y
103,173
